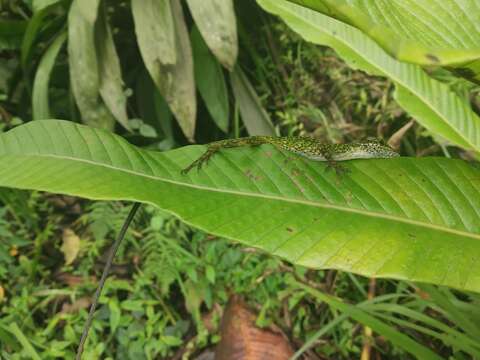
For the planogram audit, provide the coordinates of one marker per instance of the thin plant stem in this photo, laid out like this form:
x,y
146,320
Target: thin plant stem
x,y
101,284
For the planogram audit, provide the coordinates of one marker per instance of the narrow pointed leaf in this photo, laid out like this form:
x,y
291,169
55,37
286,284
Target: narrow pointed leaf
x,y
210,81
32,31
254,116
28,348
38,5
173,75
402,218
111,83
40,103
217,23
84,76
431,102
155,32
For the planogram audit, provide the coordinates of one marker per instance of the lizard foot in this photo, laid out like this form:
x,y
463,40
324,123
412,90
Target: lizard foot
x,y
339,169
200,161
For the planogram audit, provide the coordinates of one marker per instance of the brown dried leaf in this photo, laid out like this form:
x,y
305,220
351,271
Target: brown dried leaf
x,y
242,340
79,304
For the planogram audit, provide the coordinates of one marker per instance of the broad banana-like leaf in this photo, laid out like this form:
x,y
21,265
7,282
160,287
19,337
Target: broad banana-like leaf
x,y
402,218
426,32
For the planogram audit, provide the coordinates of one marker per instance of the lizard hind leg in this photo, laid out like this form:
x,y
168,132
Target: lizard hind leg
x,y
228,143
339,169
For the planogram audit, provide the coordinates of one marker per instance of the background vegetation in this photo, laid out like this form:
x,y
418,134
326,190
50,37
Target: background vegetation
x,y
171,282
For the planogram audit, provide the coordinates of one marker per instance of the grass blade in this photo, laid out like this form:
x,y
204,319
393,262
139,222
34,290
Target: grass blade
x,y
380,327
22,339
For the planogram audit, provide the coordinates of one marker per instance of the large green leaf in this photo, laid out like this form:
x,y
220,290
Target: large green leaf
x,y
217,24
165,47
84,76
431,102
427,32
404,218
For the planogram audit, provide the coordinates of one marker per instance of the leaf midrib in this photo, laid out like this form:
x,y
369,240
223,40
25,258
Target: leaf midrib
x,y
392,76
269,197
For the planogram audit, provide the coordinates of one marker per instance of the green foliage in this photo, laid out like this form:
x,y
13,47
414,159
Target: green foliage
x,y
162,261
110,43
170,280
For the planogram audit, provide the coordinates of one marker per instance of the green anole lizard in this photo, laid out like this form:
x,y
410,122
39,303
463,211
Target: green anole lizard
x,y
305,146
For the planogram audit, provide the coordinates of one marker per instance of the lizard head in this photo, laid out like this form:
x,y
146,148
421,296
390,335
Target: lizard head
x,y
376,147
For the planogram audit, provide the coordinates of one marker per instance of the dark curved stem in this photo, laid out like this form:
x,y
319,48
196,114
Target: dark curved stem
x,y
101,284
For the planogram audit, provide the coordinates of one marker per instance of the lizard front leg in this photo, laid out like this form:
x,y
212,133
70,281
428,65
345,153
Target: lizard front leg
x,y
211,150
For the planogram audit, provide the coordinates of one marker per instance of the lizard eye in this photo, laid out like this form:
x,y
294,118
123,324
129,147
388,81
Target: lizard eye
x,y
378,141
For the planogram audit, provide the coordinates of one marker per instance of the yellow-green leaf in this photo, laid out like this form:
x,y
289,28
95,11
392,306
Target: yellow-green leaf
x,y
425,32
402,218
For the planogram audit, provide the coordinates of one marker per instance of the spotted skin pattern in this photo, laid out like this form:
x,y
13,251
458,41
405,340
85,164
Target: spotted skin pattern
x,y
308,147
